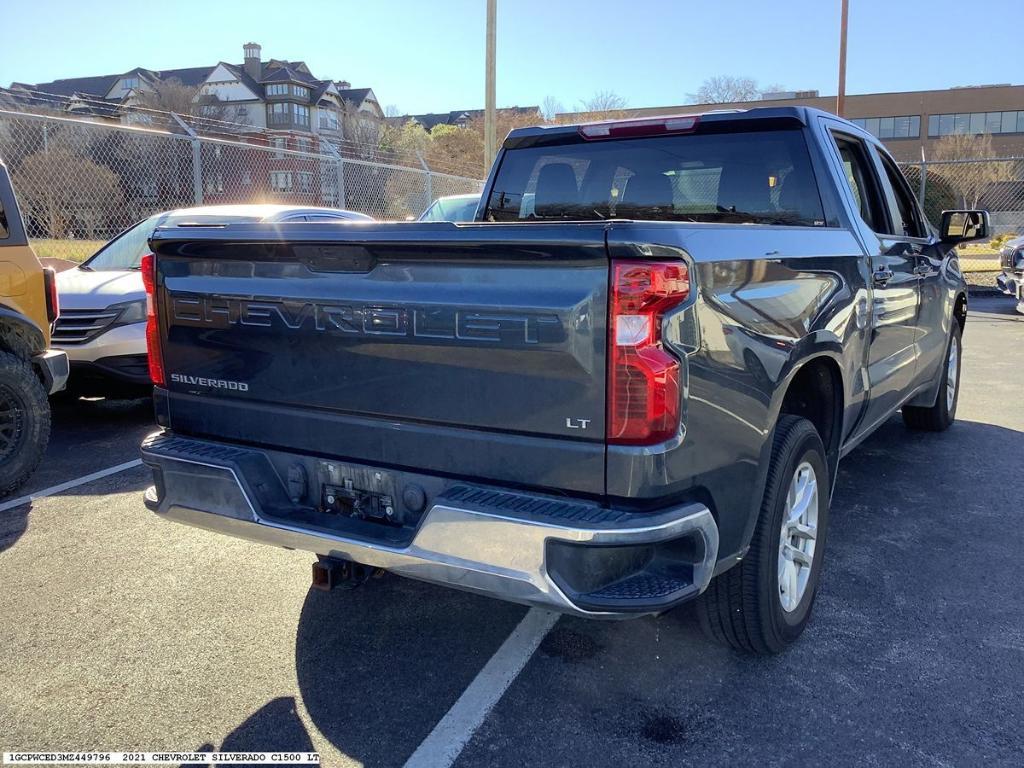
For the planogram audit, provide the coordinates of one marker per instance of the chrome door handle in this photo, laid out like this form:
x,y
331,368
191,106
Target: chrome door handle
x,y
882,276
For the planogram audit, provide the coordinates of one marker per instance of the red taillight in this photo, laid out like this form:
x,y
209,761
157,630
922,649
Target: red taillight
x,y
156,360
643,379
52,298
655,126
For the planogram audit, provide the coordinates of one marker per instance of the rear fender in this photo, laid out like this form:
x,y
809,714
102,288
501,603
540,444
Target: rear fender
x,y
19,335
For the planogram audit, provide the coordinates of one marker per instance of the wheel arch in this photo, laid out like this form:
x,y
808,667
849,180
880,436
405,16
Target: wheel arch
x,y
960,309
19,335
815,390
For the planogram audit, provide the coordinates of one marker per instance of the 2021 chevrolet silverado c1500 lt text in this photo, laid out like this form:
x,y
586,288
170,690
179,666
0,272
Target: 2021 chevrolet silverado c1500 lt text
x,y
627,384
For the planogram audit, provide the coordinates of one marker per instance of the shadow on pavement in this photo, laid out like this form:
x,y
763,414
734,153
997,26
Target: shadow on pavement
x,y
89,435
13,523
379,665
274,727
912,656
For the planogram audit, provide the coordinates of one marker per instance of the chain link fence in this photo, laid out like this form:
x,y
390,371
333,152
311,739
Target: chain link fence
x,y
994,184
80,183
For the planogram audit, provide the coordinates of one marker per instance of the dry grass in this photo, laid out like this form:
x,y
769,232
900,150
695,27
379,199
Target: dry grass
x,y
72,250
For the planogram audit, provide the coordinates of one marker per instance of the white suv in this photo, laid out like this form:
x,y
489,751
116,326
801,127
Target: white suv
x,y
102,325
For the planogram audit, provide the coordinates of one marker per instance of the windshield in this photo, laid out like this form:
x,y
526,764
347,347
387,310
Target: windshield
x,y
452,209
127,249
758,177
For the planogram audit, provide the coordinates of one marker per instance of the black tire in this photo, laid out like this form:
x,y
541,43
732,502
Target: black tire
x,y
24,422
743,606
940,416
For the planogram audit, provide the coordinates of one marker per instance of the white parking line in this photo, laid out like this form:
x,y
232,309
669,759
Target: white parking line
x,y
54,489
444,744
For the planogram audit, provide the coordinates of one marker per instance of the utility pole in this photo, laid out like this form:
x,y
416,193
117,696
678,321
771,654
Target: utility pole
x,y
841,96
490,141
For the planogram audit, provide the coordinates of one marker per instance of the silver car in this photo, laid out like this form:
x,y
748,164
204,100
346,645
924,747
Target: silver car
x,y
452,208
102,324
1011,280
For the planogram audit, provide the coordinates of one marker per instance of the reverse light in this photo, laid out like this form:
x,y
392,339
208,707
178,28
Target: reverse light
x,y
147,266
655,126
643,379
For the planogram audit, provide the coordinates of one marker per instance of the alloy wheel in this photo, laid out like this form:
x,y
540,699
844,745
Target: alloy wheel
x,y
951,372
798,537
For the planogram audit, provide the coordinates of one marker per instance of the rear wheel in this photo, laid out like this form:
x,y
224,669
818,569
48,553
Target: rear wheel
x,y
24,422
942,414
763,604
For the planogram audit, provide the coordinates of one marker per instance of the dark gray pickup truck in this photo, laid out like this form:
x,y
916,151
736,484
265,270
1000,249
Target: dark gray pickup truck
x,y
626,385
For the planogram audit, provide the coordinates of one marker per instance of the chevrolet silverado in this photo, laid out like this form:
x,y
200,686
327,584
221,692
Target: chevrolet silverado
x,y
627,384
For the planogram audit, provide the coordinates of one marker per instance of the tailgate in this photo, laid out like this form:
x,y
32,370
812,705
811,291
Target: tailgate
x,y
473,350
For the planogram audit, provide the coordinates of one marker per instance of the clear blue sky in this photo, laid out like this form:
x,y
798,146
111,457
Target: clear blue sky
x,y
428,55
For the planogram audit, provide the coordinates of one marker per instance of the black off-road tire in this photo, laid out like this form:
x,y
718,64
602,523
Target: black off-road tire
x,y
941,415
24,422
742,607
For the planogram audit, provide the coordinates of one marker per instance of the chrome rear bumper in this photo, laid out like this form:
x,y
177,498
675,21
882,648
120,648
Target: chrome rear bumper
x,y
526,548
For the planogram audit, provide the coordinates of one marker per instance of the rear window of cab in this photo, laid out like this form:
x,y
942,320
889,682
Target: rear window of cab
x,y
758,177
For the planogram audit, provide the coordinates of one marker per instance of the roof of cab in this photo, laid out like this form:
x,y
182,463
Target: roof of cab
x,y
799,115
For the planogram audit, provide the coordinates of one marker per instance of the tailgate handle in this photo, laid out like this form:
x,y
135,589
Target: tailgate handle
x,y
335,258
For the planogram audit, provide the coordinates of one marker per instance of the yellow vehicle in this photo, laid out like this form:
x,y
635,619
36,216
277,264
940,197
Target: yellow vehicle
x,y
29,369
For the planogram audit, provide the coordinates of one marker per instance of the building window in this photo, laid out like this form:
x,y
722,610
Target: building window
x,y
279,113
277,89
279,144
305,181
281,181
304,145
300,91
976,123
903,127
301,114
328,119
131,82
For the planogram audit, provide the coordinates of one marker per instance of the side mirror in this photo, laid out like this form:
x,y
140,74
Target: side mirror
x,y
961,226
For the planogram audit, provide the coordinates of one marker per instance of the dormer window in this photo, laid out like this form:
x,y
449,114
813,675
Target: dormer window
x,y
298,90
277,89
131,82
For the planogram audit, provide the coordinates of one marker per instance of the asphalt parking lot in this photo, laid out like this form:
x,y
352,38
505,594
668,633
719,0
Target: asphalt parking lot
x,y
119,631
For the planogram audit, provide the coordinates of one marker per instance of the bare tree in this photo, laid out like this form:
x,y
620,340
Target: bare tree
x,y
68,192
362,131
969,180
392,110
169,95
551,108
204,112
722,89
603,102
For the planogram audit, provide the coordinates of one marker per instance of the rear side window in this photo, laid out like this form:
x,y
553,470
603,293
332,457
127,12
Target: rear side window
x,y
759,177
905,213
862,181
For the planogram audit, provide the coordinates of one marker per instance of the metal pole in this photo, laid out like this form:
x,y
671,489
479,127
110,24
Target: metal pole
x,y
429,185
490,142
341,182
924,179
197,159
197,172
841,96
